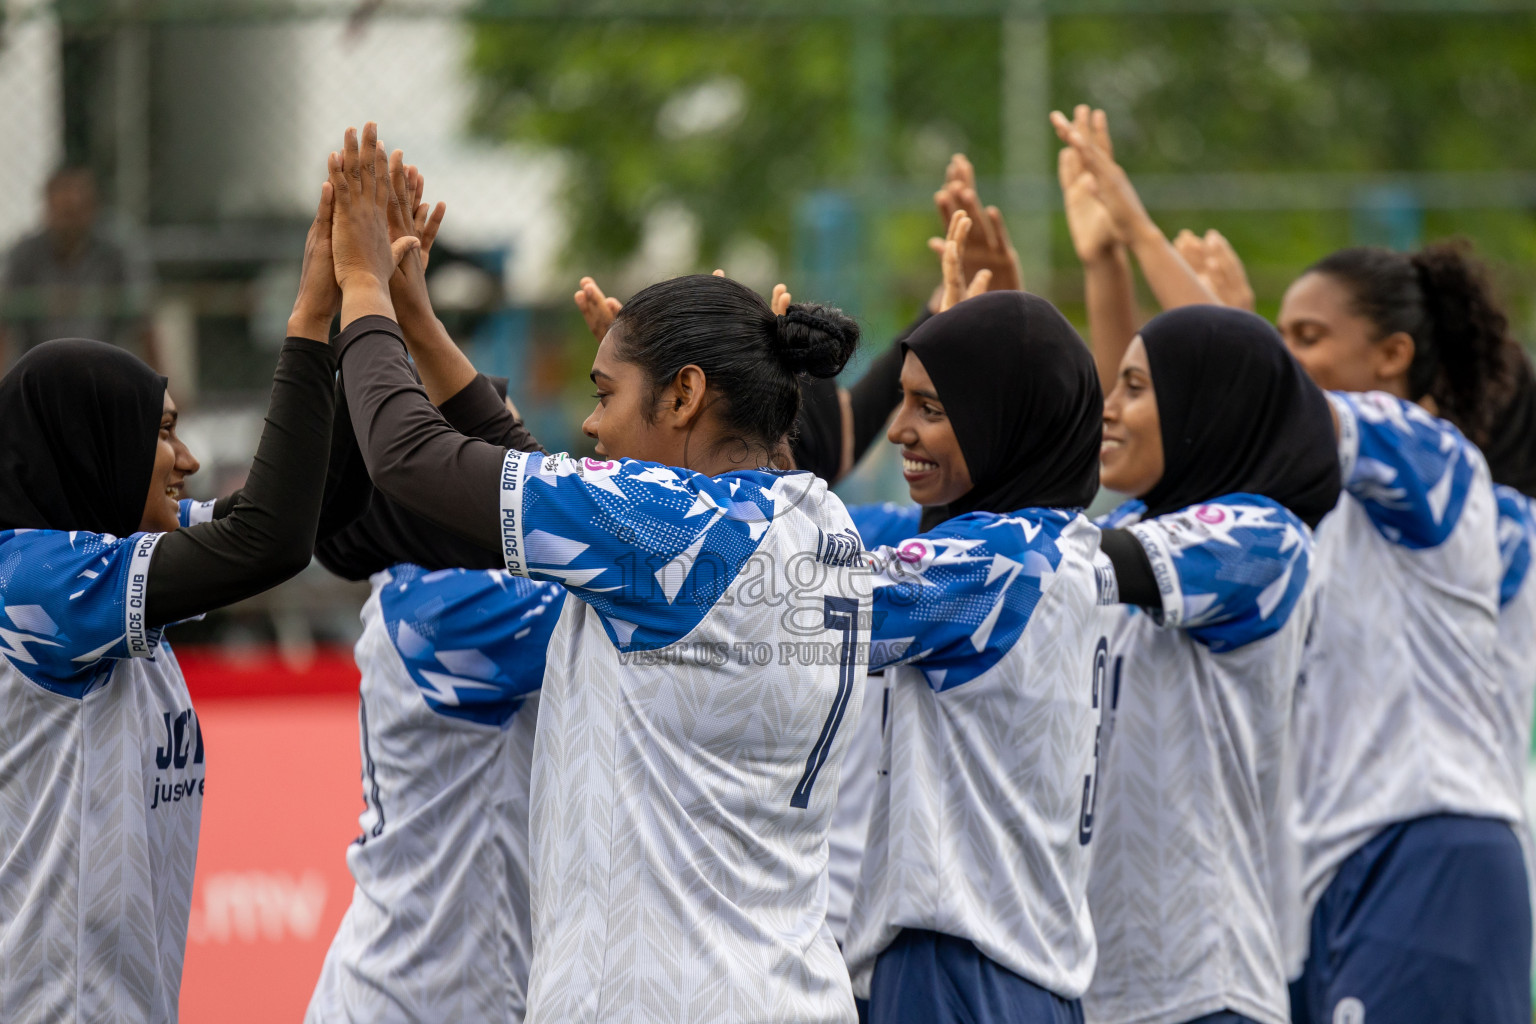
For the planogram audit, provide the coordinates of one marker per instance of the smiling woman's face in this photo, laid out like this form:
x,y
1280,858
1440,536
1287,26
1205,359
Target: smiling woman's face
x,y
932,463
174,462
1131,454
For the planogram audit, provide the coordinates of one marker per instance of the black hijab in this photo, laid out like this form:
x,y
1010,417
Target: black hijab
x,y
1238,414
79,423
1020,388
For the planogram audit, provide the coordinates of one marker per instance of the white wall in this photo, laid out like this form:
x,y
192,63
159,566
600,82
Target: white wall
x,y
249,112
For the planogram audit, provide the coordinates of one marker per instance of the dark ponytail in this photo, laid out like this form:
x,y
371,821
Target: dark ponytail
x,y
753,360
1463,356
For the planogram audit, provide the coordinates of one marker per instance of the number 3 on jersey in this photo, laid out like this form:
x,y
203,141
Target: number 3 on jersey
x,y
841,614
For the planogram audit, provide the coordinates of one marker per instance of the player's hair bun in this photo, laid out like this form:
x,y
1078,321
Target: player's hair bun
x,y
816,340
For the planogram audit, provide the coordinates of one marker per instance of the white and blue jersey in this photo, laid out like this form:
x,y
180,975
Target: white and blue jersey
x,y
101,785
1517,617
886,524
1401,712
438,928
191,512
988,624
1516,658
700,693
879,526
1194,784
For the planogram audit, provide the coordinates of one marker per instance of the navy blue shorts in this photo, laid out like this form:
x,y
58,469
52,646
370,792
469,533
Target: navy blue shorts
x,y
927,978
1428,922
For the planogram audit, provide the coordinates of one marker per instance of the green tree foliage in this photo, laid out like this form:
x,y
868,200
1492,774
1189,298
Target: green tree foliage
x,y
1316,93
737,119
730,120
1309,92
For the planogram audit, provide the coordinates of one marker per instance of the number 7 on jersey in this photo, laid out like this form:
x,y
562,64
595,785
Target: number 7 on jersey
x,y
841,614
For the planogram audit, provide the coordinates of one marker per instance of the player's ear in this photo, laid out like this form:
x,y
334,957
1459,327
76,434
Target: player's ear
x,y
1393,355
683,403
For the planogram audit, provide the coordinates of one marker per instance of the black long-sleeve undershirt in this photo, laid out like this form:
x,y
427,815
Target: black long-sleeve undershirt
x,y
413,455
1133,569
384,533
346,479
269,530
478,411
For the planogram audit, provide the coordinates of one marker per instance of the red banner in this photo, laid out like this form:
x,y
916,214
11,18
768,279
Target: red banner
x,y
280,811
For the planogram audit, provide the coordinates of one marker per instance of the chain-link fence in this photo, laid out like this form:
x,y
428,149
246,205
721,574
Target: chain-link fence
x,y
782,139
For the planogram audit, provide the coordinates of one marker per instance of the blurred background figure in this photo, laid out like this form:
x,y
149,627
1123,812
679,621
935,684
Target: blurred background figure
x,y
70,280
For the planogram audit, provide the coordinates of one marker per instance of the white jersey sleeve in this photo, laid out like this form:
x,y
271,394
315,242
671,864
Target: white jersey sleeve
x,y
1400,711
1229,572
101,784
438,927
1194,786
1517,617
191,513
977,826
651,548
1409,471
75,604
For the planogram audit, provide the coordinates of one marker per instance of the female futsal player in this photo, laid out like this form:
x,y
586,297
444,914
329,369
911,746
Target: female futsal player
x,y
972,902
1407,729
101,767
681,789
1412,877
438,927
451,662
1230,450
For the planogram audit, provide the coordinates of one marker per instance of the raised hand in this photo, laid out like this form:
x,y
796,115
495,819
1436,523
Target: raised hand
x,y
319,297
952,262
408,215
1225,274
1172,280
989,247
1088,220
597,309
362,252
1088,136
1215,263
1192,247
401,206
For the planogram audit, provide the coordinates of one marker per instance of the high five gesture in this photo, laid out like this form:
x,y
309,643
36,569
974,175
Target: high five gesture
x,y
364,257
